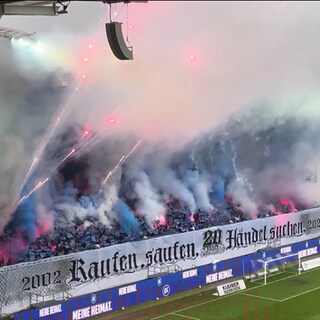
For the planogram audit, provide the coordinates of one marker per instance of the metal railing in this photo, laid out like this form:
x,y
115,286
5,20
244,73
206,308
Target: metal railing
x,y
157,270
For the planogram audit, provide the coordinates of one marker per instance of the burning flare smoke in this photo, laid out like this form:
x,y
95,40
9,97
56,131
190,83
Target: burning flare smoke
x,y
75,157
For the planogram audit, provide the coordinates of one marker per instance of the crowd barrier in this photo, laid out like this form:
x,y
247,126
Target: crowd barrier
x,y
83,273
115,299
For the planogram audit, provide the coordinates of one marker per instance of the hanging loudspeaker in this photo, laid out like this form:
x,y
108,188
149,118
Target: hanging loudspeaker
x,y
116,41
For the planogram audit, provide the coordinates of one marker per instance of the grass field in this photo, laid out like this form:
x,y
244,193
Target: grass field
x,y
286,296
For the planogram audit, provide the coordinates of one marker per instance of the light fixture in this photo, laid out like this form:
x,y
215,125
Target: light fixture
x,y
64,8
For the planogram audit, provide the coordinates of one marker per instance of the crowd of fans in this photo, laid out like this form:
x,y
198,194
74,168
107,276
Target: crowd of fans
x,y
92,234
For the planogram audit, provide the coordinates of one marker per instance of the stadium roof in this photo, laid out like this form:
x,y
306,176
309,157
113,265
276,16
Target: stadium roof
x,y
43,8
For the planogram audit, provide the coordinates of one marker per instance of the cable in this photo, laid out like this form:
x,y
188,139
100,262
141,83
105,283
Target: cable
x,y
128,42
127,22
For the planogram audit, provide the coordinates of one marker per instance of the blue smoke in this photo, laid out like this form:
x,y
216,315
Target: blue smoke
x,y
218,194
127,221
68,193
25,218
96,200
85,202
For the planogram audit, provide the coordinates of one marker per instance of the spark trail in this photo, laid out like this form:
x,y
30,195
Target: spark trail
x,y
119,164
44,142
71,153
96,138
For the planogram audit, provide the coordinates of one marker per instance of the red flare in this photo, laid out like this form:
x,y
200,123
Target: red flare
x,y
168,200
163,220
112,120
288,202
228,198
137,213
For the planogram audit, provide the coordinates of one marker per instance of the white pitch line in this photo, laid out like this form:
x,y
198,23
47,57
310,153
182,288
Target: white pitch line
x,y
300,294
232,294
183,316
260,297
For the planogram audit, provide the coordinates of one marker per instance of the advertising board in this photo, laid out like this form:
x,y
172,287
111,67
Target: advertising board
x,y
119,265
231,287
115,299
310,264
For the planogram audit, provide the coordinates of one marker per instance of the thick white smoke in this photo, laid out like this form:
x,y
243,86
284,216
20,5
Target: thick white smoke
x,y
164,178
200,188
138,187
105,211
254,62
240,195
29,98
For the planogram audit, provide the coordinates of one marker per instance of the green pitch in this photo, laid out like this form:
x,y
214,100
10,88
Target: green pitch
x,y
286,296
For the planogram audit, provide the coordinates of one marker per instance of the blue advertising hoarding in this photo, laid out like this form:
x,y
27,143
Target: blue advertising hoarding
x,y
114,299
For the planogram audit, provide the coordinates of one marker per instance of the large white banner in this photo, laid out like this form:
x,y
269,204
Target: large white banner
x,y
108,267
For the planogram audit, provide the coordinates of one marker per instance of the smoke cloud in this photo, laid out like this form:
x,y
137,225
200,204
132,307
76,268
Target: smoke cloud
x,y
224,101
28,101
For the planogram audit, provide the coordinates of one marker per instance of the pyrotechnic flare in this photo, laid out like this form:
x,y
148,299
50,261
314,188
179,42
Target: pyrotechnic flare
x,y
119,164
44,142
100,132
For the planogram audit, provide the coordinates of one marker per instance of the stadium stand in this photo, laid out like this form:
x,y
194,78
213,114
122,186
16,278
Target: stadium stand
x,y
67,237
